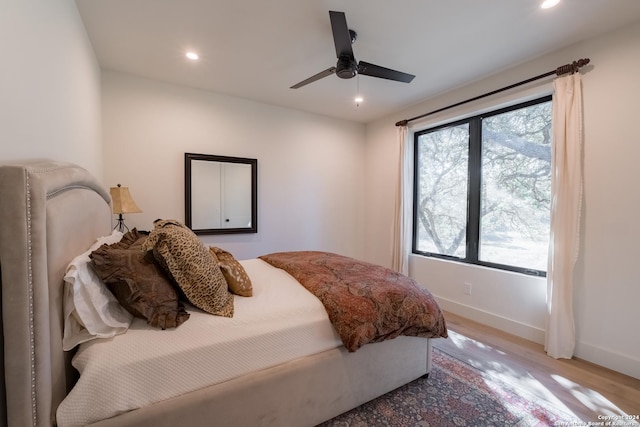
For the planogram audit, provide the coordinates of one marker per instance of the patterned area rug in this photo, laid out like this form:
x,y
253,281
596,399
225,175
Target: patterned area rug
x,y
454,394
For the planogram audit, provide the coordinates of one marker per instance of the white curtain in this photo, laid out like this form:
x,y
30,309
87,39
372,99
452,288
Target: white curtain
x,y
404,195
566,205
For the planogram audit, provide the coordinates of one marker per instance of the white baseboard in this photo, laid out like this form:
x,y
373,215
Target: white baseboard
x,y
510,326
600,356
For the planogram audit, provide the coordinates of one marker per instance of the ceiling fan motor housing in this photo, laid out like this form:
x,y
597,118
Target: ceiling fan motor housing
x,y
346,68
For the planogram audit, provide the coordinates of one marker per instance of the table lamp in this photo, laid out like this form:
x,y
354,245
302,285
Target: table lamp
x,y
122,203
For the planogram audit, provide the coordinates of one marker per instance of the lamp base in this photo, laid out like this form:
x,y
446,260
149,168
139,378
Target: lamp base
x,y
120,225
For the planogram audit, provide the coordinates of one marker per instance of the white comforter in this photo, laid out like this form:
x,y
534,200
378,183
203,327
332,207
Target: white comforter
x,y
281,322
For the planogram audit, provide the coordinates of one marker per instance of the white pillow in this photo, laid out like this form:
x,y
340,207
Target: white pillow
x,y
90,309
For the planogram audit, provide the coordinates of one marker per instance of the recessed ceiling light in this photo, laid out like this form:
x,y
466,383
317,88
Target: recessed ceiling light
x,y
192,56
358,100
547,4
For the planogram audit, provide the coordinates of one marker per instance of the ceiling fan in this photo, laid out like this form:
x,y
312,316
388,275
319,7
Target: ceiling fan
x,y
347,66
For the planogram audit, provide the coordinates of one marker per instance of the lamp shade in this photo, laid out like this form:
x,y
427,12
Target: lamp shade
x,y
122,202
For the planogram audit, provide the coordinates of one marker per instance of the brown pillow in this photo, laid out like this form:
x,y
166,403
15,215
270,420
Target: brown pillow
x,y
191,265
234,273
138,282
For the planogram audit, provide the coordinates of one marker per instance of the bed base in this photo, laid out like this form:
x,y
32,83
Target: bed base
x,y
304,392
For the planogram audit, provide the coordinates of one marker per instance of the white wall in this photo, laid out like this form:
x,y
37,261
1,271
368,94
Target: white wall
x,y
310,168
49,85
607,282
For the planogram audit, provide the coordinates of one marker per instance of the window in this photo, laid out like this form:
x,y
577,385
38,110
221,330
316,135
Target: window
x,y
482,189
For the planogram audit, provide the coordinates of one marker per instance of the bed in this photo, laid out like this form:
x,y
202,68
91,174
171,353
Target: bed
x,y
52,211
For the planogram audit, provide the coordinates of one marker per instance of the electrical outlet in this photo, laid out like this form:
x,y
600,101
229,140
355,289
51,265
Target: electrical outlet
x,y
467,288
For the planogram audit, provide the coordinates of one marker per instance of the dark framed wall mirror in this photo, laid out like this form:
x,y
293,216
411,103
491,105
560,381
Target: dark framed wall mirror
x,y
221,194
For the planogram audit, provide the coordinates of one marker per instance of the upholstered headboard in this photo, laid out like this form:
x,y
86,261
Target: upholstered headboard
x,y
49,213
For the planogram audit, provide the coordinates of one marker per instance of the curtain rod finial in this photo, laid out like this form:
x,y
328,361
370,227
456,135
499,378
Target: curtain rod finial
x,y
573,67
402,123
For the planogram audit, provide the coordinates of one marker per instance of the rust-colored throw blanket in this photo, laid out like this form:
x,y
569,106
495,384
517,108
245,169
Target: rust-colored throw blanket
x,y
365,302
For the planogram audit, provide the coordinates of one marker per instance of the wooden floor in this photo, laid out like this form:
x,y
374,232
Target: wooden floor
x,y
585,389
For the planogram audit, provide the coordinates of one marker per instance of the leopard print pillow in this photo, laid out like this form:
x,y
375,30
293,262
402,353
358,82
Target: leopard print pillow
x,y
190,264
237,278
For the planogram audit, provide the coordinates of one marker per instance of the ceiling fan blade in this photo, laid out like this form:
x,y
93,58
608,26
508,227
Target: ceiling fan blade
x,y
341,36
384,73
315,77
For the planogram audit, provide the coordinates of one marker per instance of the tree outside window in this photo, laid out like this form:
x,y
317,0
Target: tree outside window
x,y
483,187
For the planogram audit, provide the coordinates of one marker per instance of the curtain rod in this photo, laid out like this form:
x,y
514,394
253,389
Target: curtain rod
x,y
564,69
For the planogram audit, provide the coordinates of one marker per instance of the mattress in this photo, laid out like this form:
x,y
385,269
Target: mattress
x,y
282,321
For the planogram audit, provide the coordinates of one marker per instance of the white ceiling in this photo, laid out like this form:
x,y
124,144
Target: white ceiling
x,y
257,49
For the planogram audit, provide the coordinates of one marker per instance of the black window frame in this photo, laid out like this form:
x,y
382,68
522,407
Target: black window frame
x,y
474,184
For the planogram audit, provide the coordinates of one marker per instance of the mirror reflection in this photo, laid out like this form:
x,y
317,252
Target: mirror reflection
x,y
220,194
